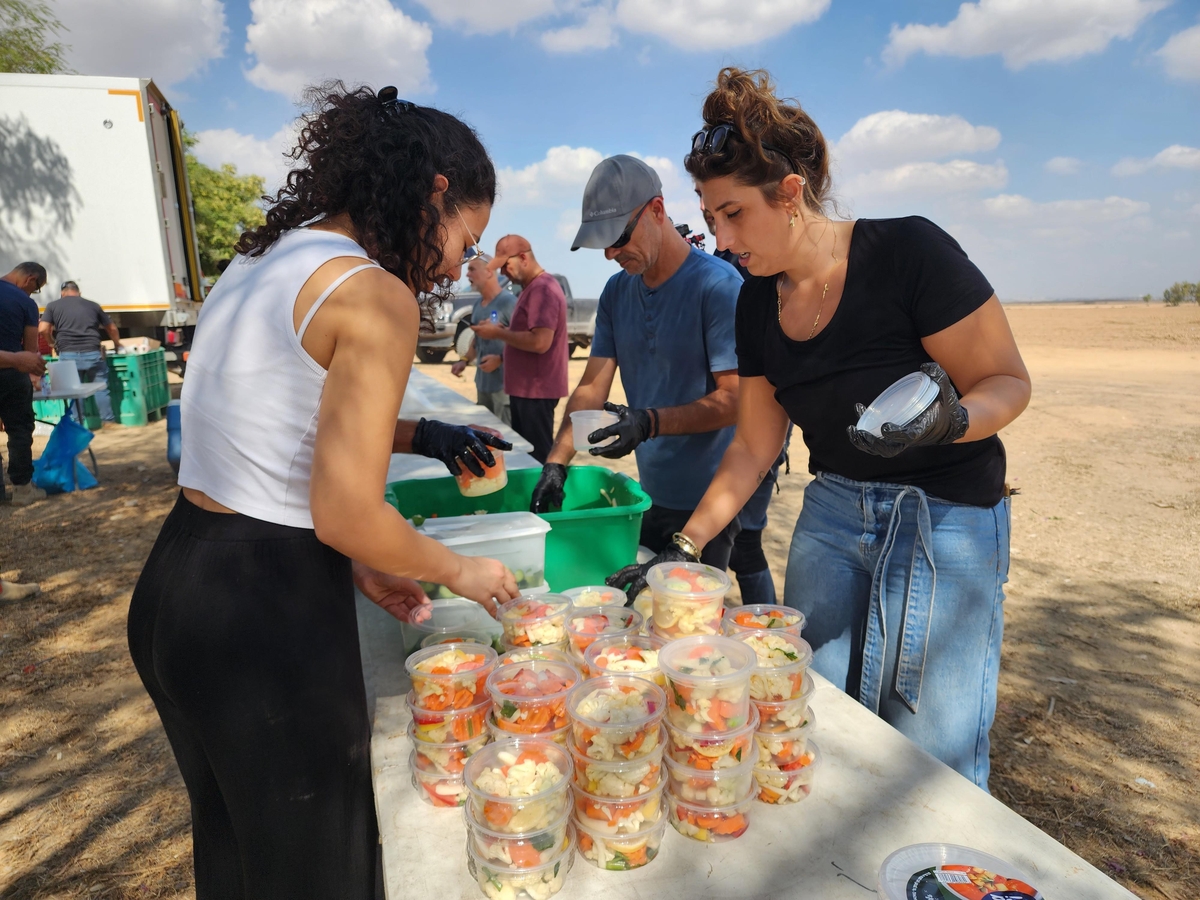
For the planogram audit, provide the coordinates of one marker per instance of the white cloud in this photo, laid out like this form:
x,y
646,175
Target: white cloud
x,y
595,32
1024,31
562,173
487,16
716,24
251,155
1063,165
895,136
299,42
1181,54
167,40
1176,156
1016,208
955,176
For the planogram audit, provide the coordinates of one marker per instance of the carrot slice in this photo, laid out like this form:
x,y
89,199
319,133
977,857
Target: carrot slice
x,y
497,814
524,856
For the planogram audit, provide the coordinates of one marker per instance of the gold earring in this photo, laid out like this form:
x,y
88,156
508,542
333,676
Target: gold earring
x,y
792,220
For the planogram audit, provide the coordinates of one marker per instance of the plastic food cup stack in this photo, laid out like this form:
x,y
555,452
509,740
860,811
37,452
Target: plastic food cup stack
x,y
585,626
764,617
689,599
781,663
442,742
787,759
530,698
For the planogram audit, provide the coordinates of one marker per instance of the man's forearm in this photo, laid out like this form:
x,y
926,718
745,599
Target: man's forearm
x,y
7,360
529,341
710,413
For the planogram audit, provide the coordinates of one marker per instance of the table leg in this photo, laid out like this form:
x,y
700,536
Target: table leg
x,y
78,404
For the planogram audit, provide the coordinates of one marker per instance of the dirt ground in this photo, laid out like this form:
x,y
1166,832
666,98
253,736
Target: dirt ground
x,y
1097,739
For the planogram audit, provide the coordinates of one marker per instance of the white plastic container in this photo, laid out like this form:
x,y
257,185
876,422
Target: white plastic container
x,y
585,421
900,403
910,868
517,539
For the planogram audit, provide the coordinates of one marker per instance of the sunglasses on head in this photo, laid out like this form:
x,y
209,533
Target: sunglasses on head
x,y
711,140
627,234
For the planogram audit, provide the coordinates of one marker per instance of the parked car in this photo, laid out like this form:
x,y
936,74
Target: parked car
x,y
437,338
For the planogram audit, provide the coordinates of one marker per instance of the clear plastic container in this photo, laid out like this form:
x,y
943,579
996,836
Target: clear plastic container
x,y
788,786
899,403
519,655
763,617
785,750
531,698
786,715
495,477
586,626
631,655
520,851
561,647
781,661
446,758
440,791
712,787
620,852
593,595
460,636
643,604
510,883
708,683
535,620
616,717
711,825
711,751
689,599
518,786
560,736
611,815
448,725
922,869
450,676
619,779
517,539
585,421
447,617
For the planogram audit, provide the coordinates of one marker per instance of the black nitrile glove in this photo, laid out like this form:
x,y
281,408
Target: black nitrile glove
x,y
635,575
549,492
633,427
456,445
943,423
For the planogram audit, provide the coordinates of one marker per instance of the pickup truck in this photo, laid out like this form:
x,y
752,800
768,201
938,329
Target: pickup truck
x,y
437,339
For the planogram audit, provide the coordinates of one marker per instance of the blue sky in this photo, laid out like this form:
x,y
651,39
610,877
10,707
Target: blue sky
x,y
1058,140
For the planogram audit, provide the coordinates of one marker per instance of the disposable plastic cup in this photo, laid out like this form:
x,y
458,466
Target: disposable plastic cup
x,y
712,787
585,421
448,725
519,655
440,791
781,661
518,786
711,825
630,655
618,779
520,851
708,683
446,758
531,698
616,717
712,751
788,786
688,599
786,715
620,852
923,869
560,736
514,883
561,647
584,626
534,620
763,616
899,404
785,750
450,676
495,477
618,816
461,636
644,604
594,595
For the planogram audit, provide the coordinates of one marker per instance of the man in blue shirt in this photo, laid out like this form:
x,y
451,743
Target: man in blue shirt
x,y
19,363
667,321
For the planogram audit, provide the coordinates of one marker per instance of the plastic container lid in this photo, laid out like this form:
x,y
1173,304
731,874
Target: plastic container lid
x,y
678,653
456,531
617,597
775,612
900,403
660,582
950,870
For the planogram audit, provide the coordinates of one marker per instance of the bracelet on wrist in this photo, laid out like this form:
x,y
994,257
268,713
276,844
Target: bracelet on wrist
x,y
686,544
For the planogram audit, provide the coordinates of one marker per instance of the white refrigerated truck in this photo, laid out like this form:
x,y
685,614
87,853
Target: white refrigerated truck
x,y
94,187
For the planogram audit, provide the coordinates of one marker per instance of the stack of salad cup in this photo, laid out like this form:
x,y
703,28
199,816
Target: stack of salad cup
x,y
617,749
710,723
688,599
529,698
535,620
586,626
780,688
449,704
520,842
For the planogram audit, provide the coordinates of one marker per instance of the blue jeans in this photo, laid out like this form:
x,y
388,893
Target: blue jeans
x,y
905,604
92,367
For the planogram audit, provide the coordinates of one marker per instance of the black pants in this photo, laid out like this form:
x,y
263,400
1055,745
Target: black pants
x,y
660,524
533,419
16,412
244,634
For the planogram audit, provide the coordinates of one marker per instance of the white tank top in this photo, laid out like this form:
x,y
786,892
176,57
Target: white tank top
x,y
252,393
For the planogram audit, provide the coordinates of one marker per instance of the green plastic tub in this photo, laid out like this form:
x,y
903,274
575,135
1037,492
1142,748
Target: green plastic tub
x,y
595,534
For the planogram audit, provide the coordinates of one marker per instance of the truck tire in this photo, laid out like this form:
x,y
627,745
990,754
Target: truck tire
x,y
431,354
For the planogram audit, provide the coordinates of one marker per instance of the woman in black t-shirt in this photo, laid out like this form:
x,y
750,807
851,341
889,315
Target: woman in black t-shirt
x,y
901,551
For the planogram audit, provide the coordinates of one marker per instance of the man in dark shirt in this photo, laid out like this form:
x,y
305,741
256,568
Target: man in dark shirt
x,y
20,365
74,325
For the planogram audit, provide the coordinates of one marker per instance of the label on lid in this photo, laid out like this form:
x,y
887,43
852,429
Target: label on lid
x,y
954,882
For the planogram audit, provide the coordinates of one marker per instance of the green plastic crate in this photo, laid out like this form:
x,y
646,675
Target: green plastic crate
x,y
137,384
51,411
595,534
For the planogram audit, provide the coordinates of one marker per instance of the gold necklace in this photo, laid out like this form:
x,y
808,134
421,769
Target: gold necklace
x,y
820,306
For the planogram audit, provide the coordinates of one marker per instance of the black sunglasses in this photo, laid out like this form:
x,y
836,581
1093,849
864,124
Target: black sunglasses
x,y
712,140
627,234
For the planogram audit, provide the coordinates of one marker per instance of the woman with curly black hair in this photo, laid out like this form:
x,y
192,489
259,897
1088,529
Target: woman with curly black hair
x,y
242,625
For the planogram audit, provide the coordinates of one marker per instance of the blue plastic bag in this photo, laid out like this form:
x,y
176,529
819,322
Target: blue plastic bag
x,y
57,471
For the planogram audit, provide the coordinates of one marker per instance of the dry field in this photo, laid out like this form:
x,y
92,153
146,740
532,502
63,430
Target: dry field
x,y
1097,740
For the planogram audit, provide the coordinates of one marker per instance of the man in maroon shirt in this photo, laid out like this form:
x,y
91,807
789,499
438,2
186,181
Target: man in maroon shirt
x,y
535,352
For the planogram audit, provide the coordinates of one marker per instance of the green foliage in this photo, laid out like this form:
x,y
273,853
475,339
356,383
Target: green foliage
x,y
226,204
26,29
1182,292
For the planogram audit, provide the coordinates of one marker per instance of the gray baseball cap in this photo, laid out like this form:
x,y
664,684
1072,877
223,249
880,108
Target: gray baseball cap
x,y
618,186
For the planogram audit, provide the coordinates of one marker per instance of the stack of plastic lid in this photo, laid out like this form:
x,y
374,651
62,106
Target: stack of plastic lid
x,y
899,404
591,595
764,617
585,626
617,747
530,698
535,620
780,688
520,843
948,870
689,599
449,704
635,654
710,729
